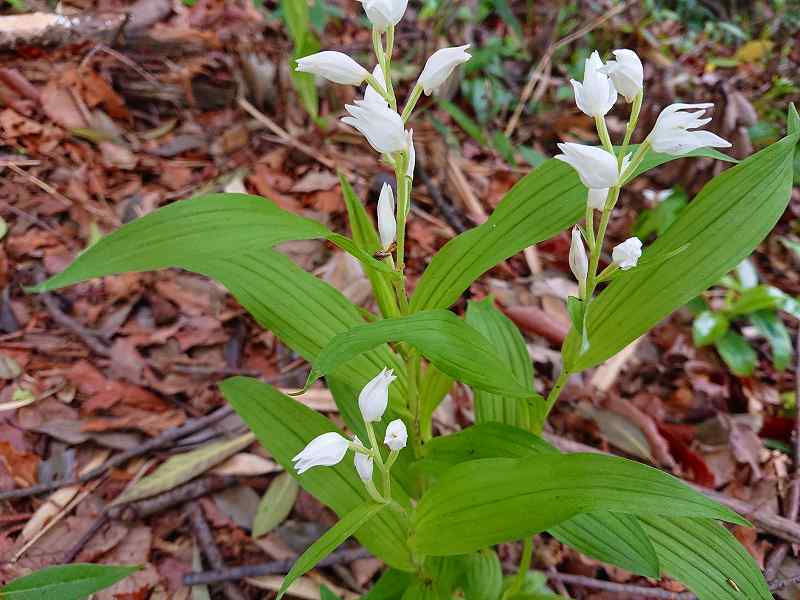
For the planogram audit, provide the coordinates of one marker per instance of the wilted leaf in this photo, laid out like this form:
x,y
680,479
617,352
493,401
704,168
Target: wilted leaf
x,y
276,504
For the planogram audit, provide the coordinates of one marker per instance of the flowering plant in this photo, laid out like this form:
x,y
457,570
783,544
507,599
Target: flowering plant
x,y
443,502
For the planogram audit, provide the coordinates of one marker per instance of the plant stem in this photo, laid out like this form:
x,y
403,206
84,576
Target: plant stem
x,y
555,392
524,567
411,102
635,109
602,132
401,212
412,370
377,86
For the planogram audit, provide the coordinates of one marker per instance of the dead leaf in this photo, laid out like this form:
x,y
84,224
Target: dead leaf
x,y
21,465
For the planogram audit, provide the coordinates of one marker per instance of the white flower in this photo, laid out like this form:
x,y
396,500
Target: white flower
x,y
387,226
362,462
384,13
374,398
324,450
381,125
333,66
578,261
596,95
671,132
626,254
626,73
440,65
371,95
396,435
412,154
597,198
596,167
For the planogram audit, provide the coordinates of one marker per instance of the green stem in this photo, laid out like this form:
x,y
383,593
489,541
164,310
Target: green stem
x,y
524,567
636,160
635,109
590,227
411,102
375,84
373,491
555,392
412,370
602,132
401,213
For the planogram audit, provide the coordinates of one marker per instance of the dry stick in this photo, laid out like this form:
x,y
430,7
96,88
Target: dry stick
x,y
60,317
536,73
448,211
205,539
276,567
168,436
776,558
98,524
776,525
179,495
620,588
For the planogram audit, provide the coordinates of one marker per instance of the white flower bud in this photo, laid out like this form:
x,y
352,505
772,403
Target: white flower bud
x,y
597,198
362,462
671,132
324,450
412,154
578,260
626,254
333,66
596,167
374,398
371,95
387,226
384,13
382,126
626,73
440,65
596,95
396,435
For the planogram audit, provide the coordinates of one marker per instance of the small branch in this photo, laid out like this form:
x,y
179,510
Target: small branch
x,y
205,539
88,337
620,588
98,524
162,440
179,495
276,567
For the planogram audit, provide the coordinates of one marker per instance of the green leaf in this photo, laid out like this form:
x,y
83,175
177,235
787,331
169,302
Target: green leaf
x,y
737,353
276,504
463,119
708,327
326,594
296,15
433,387
512,499
510,346
445,340
65,582
390,586
706,557
613,538
331,539
722,226
770,325
659,218
760,297
189,231
483,575
184,467
284,427
542,204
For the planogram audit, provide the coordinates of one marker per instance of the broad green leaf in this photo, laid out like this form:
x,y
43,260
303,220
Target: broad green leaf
x,y
183,467
512,499
737,353
706,557
209,226
390,586
770,325
425,590
284,427
760,297
659,218
65,582
331,539
543,203
613,538
721,226
365,236
296,15
708,327
433,387
326,594
445,340
509,345
483,575
276,504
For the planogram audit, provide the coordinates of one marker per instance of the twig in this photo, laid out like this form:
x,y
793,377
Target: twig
x,y
776,525
168,436
205,540
447,210
275,567
89,337
179,495
536,73
96,526
620,588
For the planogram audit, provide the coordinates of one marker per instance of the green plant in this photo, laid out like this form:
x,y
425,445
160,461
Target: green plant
x,y
65,582
744,300
440,503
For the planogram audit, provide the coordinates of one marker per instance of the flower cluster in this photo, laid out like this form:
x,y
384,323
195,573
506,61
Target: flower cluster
x,y
330,448
604,171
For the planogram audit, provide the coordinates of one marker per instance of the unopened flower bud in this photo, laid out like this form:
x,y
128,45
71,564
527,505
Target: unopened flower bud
x,y
363,463
387,225
382,126
324,450
578,260
626,255
333,66
596,167
596,199
396,435
596,95
626,73
384,13
440,65
374,397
